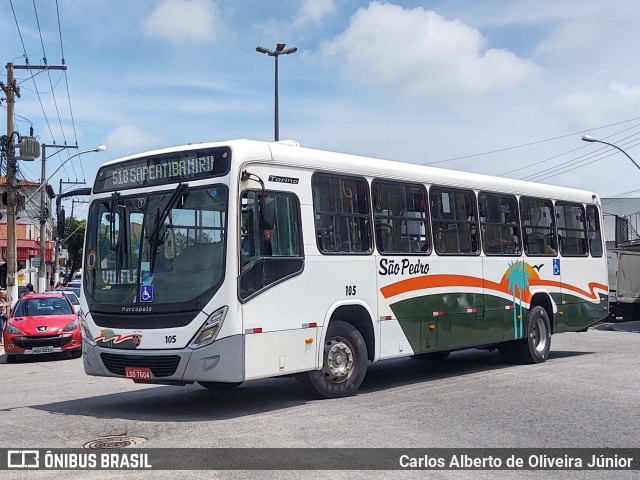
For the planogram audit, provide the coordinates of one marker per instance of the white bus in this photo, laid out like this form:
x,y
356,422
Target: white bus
x,y
367,260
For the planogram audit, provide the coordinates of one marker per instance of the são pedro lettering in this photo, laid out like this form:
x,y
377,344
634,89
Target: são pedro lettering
x,y
390,266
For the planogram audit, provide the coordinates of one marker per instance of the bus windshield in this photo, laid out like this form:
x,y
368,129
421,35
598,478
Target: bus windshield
x,y
161,247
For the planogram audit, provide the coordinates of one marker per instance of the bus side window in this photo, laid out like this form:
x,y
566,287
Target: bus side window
x,y
342,214
593,231
401,217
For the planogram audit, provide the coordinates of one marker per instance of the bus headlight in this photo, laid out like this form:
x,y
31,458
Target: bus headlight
x,y
86,334
209,330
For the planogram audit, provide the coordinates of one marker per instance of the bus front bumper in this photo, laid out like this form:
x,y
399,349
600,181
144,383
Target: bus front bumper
x,y
222,361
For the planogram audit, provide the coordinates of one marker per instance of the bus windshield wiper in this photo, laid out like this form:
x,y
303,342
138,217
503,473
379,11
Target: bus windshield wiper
x,y
113,244
180,193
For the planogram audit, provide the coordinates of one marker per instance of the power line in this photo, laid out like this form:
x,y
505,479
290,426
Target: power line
x,y
66,81
26,59
39,92
567,152
529,143
573,165
579,163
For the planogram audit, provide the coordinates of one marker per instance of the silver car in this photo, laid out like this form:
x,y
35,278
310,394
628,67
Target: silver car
x,y
75,287
72,297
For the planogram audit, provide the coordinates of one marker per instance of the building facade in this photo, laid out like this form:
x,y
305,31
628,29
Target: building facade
x,y
28,235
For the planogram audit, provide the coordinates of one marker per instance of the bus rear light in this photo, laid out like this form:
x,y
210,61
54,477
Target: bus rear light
x,y
209,330
253,330
310,325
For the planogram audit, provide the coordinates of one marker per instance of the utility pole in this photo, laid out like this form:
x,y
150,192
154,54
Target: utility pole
x,y
42,269
73,203
12,90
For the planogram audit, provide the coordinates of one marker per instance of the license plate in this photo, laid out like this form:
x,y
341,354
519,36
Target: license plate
x,y
137,373
36,350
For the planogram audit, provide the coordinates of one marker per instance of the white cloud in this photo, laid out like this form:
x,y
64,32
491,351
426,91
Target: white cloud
x,y
310,15
420,51
183,21
618,100
314,11
130,137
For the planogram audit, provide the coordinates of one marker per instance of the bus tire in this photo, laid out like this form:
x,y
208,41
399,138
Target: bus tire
x,y
220,386
344,363
534,348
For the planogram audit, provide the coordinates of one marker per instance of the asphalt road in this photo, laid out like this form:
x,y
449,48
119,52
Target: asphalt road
x,y
585,395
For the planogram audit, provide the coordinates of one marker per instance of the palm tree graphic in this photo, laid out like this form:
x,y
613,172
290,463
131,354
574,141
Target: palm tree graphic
x,y
518,278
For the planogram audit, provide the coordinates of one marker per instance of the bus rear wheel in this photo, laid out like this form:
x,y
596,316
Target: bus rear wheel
x,y
344,363
534,348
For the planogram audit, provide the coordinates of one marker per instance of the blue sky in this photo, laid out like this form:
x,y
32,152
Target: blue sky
x,y
416,81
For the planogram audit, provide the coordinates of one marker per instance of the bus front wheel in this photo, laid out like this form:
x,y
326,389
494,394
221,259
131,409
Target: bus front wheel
x,y
344,363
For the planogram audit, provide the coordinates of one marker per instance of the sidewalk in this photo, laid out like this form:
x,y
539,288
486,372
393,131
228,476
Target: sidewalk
x,y
633,326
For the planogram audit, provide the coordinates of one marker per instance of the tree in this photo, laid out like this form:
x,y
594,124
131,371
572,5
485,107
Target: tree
x,y
518,278
74,239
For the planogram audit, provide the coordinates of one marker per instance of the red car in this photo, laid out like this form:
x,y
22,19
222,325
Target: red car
x,y
42,323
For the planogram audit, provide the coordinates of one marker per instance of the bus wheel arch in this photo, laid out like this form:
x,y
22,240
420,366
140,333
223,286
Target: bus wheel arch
x,y
544,300
360,318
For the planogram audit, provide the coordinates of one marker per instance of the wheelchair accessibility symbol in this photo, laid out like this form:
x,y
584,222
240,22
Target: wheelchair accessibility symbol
x,y
556,266
146,293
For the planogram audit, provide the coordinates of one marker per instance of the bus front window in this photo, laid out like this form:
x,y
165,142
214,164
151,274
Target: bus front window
x,y
172,241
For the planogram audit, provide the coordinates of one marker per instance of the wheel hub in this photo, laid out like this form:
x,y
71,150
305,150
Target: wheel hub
x,y
538,335
339,360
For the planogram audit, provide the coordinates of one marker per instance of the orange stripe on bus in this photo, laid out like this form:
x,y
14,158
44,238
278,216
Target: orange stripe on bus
x,y
439,281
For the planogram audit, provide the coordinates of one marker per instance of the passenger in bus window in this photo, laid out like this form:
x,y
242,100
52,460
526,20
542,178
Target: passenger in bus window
x,y
265,242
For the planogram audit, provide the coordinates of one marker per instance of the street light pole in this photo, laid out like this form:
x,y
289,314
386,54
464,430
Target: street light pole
x,y
589,138
280,50
100,148
42,284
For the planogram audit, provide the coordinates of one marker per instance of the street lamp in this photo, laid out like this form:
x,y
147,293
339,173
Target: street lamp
x,y
589,138
100,148
41,269
280,50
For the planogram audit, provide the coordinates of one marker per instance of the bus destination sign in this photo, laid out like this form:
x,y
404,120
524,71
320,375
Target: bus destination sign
x,y
164,169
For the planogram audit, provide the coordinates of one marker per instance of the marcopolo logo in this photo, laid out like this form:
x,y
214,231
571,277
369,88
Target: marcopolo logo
x,y
23,459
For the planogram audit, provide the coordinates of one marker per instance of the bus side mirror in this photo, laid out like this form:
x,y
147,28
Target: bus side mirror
x,y
268,213
60,225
